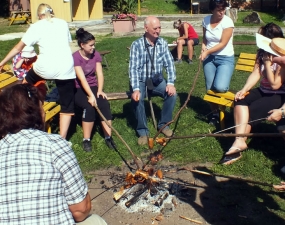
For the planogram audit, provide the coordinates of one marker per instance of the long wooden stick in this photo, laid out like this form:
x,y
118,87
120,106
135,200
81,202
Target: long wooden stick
x,y
230,135
230,177
136,159
185,103
194,221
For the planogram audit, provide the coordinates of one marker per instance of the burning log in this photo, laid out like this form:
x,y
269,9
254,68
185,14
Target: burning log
x,y
160,199
134,199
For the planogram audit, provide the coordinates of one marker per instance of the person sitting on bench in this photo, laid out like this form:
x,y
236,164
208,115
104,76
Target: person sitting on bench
x,y
187,37
252,104
89,88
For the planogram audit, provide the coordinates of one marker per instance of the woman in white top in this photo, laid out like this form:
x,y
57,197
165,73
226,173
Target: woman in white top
x,y
54,60
217,51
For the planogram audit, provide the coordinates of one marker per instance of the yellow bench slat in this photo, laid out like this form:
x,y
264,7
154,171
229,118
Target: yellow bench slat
x,y
51,113
219,101
244,68
229,95
8,81
247,56
247,62
49,105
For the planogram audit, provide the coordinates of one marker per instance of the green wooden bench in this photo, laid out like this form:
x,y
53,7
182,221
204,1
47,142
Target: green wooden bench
x,y
246,62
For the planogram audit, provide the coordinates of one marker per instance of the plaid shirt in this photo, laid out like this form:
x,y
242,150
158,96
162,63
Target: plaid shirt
x,y
39,178
139,60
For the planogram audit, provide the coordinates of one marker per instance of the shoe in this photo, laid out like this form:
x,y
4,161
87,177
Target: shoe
x,y
215,120
190,61
237,150
178,61
87,147
229,159
110,143
283,169
167,132
142,140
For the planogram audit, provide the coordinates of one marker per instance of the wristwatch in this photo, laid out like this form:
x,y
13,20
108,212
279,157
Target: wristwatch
x,y
283,114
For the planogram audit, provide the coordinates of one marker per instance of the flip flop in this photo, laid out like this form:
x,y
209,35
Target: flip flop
x,y
229,159
237,150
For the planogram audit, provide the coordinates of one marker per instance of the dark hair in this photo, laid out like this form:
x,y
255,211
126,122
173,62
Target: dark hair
x,y
270,30
177,23
83,37
20,109
217,3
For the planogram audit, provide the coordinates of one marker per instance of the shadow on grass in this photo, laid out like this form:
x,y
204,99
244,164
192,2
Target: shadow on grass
x,y
226,201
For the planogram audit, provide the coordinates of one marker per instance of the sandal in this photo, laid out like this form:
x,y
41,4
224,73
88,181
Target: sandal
x,y
229,159
237,150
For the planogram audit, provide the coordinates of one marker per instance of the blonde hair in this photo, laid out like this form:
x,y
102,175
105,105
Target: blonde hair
x,y
45,9
177,24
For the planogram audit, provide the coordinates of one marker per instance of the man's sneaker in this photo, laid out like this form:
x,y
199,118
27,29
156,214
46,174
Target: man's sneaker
x,y
178,61
87,147
143,140
215,120
167,132
190,61
110,143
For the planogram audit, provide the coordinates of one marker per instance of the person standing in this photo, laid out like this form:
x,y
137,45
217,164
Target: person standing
x,y
89,88
148,56
217,51
54,60
187,37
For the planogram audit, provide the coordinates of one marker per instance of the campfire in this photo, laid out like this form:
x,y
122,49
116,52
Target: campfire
x,y
147,190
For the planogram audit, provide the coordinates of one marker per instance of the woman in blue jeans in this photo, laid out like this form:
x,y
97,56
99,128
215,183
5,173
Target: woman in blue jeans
x,y
217,51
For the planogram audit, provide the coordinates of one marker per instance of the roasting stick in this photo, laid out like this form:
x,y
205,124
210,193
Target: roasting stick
x,y
136,159
194,221
230,177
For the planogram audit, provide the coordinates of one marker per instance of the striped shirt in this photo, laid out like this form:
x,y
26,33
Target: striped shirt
x,y
140,62
40,178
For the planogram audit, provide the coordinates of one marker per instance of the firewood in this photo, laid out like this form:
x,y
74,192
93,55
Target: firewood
x,y
194,221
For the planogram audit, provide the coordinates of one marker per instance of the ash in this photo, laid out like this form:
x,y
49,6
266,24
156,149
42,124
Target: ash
x,y
161,201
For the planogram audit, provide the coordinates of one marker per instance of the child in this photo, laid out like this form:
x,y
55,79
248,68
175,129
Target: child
x,y
23,61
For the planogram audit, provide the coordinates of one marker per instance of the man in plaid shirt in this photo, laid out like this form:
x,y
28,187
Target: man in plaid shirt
x,y
148,56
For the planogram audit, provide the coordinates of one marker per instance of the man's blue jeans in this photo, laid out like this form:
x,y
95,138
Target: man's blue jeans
x,y
218,71
167,108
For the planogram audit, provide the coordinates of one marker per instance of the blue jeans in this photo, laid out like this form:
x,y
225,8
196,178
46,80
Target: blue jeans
x,y
218,71
167,108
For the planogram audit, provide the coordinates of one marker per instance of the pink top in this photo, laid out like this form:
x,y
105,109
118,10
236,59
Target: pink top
x,y
88,67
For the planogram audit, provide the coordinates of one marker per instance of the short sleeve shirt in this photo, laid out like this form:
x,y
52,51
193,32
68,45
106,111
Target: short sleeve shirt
x,y
39,179
88,67
214,35
55,56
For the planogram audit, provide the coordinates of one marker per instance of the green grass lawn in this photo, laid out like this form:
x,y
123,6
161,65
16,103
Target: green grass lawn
x,y
262,161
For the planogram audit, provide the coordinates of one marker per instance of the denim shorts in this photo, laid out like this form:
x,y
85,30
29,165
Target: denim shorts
x,y
218,71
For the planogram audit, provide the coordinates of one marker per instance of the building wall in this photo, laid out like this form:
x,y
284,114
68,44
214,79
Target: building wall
x,y
70,10
61,9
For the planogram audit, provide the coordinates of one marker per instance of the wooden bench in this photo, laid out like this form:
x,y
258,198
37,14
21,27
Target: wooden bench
x,y
246,62
24,16
103,54
51,108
